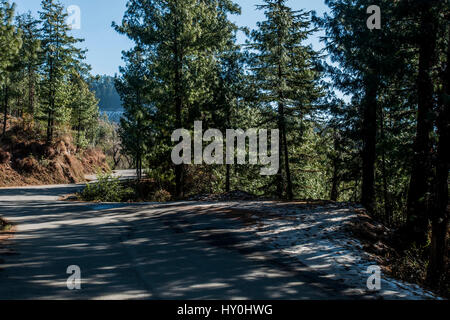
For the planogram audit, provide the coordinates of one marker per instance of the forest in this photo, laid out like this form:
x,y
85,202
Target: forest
x,y
43,74
105,92
365,120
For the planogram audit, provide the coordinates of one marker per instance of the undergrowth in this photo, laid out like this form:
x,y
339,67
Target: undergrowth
x,y
411,266
4,226
107,189
111,189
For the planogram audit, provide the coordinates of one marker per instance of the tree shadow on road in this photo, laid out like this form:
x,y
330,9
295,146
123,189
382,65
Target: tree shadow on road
x,y
154,251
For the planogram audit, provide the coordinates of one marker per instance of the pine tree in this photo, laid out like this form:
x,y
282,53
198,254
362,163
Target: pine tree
x,y
440,196
344,153
133,87
285,75
60,56
411,154
418,197
229,91
9,38
183,37
367,62
30,61
10,42
84,108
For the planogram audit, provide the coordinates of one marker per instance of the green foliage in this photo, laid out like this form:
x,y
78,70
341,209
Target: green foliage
x,y
11,43
412,264
43,75
106,93
136,124
386,136
26,78
176,44
162,196
105,135
10,39
84,109
4,226
60,57
161,178
384,145
107,189
285,77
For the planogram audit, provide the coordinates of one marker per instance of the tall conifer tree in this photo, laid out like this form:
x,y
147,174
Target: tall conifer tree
x,y
10,44
60,56
285,76
183,36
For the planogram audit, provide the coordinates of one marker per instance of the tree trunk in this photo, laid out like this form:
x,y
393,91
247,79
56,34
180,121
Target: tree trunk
x,y
284,159
5,108
440,214
279,177
417,210
369,134
228,179
284,147
179,169
387,206
335,180
289,191
31,95
140,166
50,121
137,166
334,187
227,166
19,107
78,130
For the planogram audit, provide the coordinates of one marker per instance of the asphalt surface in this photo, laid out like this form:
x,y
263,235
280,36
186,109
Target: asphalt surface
x,y
145,251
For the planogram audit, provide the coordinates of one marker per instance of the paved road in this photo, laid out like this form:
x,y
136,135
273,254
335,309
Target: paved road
x,y
121,174
146,251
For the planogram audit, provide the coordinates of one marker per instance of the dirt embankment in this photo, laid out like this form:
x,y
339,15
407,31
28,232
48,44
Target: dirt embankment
x,y
25,160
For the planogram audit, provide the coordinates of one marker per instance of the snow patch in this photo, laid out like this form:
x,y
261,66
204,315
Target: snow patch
x,y
319,239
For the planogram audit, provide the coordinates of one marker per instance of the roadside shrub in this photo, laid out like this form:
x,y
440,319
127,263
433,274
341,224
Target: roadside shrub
x,y
107,189
412,265
444,282
162,196
4,226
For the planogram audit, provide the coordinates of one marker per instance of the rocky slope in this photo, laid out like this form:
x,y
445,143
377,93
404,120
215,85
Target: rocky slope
x,y
26,160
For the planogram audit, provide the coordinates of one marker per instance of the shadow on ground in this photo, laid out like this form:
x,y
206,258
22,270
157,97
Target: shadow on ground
x,y
166,251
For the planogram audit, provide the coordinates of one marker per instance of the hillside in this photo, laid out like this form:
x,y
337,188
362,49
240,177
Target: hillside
x,y
25,159
106,93
109,102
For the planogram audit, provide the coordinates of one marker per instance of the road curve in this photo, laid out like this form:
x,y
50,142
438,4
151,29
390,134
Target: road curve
x,y
145,251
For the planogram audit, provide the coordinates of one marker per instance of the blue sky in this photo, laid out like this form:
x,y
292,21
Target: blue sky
x,y
105,45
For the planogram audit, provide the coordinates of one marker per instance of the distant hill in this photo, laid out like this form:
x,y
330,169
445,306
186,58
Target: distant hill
x,y
106,93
